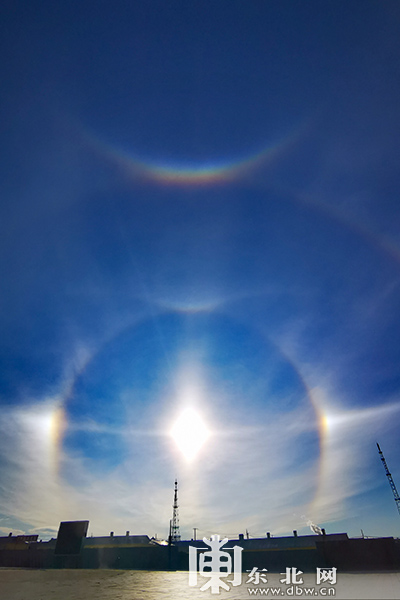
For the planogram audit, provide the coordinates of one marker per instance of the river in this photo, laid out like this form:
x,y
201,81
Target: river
x,y
26,584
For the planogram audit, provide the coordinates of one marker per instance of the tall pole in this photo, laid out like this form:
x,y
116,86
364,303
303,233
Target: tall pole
x,y
390,479
174,534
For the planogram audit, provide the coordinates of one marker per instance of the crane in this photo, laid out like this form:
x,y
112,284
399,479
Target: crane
x,y
390,479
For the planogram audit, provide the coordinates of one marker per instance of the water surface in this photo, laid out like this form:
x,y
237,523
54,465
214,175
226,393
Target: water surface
x,y
26,584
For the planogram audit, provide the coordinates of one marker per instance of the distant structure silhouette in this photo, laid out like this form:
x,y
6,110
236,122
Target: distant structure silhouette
x,y
390,479
174,533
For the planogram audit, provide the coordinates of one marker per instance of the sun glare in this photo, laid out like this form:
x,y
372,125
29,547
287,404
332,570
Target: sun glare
x,y
190,433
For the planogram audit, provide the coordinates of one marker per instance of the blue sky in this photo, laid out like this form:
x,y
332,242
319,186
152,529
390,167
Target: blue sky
x,y
199,208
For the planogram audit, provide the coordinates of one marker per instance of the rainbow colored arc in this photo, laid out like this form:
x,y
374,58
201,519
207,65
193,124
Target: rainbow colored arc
x,y
191,173
196,175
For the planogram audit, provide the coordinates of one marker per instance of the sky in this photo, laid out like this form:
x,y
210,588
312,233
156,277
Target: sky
x,y
199,234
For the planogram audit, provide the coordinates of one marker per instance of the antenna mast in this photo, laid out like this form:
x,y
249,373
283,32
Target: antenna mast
x,y
174,533
390,479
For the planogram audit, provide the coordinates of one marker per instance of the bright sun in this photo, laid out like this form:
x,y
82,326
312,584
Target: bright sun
x,y
190,433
